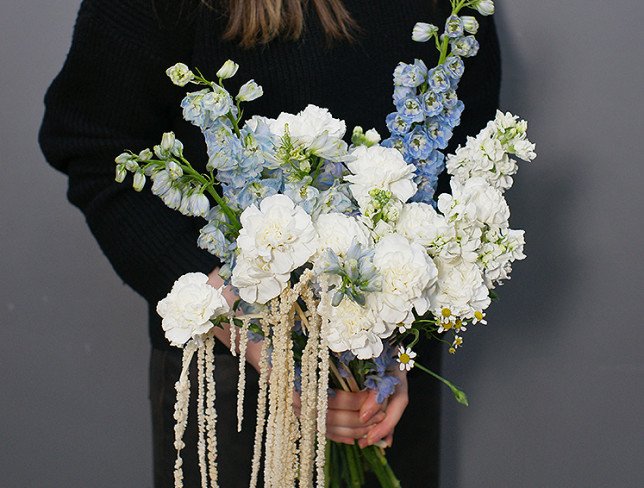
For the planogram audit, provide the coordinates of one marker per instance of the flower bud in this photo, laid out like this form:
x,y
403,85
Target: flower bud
x,y
180,74
484,7
123,158
228,70
145,155
172,197
132,165
177,148
423,32
174,170
198,205
139,181
372,137
167,142
249,91
161,183
470,24
120,173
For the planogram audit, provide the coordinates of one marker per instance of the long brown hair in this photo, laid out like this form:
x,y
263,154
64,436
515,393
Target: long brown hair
x,y
252,22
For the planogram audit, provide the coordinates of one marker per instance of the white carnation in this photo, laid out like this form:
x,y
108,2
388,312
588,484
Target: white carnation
x,y
278,232
381,168
408,274
187,310
355,328
314,128
255,281
337,232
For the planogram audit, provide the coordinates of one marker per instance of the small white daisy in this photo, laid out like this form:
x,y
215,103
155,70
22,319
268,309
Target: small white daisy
x,y
406,358
479,317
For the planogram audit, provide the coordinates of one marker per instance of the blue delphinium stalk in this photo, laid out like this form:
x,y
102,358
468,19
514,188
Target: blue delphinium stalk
x,y
427,107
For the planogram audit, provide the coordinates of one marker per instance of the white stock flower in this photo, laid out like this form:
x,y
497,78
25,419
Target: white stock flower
x,y
372,136
498,251
187,310
180,74
460,288
355,328
475,201
408,274
380,168
420,223
227,70
488,154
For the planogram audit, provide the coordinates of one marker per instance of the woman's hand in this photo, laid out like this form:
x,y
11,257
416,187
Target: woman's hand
x,y
393,409
347,420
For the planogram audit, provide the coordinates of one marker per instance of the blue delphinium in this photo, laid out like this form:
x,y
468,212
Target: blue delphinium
x,y
357,271
427,106
378,378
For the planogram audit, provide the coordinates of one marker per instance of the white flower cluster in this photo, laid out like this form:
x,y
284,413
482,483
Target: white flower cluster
x,y
190,306
315,129
275,239
488,154
302,197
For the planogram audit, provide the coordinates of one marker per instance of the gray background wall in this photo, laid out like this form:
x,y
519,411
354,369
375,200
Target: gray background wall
x,y
556,382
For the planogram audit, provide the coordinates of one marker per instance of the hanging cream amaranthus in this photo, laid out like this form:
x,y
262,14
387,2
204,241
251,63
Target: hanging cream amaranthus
x,y
342,255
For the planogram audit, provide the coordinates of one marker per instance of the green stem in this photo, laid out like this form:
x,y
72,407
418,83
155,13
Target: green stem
x,y
378,464
353,463
208,185
235,125
444,45
459,394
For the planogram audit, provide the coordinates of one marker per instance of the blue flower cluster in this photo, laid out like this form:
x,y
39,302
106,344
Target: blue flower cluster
x,y
251,165
378,378
428,109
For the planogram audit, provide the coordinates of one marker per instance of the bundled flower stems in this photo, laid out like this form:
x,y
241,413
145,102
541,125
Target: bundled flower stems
x,y
342,255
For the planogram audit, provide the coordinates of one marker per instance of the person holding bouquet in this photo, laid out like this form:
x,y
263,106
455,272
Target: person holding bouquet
x,y
111,94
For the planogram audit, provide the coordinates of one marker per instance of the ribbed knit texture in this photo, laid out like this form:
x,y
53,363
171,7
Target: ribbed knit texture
x,y
112,94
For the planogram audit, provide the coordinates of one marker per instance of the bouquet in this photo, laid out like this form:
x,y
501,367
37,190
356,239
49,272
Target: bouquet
x,y
342,255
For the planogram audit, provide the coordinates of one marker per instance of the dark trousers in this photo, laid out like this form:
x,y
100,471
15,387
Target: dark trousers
x,y
414,455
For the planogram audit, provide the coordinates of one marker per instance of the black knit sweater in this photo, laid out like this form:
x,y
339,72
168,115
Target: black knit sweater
x,y
112,94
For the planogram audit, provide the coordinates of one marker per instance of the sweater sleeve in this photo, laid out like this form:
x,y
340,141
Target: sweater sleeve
x,y
112,94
